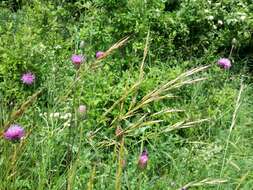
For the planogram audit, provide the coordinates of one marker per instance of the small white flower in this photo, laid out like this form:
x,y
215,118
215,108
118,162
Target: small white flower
x,y
56,114
66,116
220,22
243,17
67,124
42,47
210,17
214,27
57,47
69,115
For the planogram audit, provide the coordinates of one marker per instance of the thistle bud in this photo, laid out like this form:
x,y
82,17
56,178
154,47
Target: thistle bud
x,y
82,110
143,159
234,41
82,44
100,54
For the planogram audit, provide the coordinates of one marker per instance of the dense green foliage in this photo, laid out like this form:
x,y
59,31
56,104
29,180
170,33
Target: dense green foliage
x,y
41,35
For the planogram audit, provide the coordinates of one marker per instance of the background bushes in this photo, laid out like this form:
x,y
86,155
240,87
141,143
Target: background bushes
x,y
180,30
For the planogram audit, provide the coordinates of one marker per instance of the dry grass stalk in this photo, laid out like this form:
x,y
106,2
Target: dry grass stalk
x,y
237,106
136,85
183,125
18,113
157,94
120,166
90,184
203,182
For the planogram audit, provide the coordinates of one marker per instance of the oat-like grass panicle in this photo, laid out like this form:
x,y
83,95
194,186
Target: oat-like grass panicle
x,y
18,113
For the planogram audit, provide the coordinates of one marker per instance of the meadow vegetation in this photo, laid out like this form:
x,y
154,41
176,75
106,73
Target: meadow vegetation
x,y
128,94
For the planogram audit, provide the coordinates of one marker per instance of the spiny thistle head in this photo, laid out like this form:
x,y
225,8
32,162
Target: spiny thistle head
x,y
224,63
28,78
143,159
77,59
14,132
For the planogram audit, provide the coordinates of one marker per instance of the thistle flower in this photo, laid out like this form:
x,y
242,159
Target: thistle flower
x,y
143,159
100,54
14,132
77,59
224,63
28,78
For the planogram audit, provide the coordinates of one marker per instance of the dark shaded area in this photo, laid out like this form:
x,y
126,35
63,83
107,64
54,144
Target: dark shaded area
x,y
172,5
13,5
246,52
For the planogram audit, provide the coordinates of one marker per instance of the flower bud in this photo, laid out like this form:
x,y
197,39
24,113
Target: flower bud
x,y
100,54
82,109
82,44
234,41
143,159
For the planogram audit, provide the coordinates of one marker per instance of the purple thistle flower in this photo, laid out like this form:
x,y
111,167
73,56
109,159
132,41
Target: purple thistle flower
x,y
28,78
77,59
14,132
100,54
143,159
224,63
